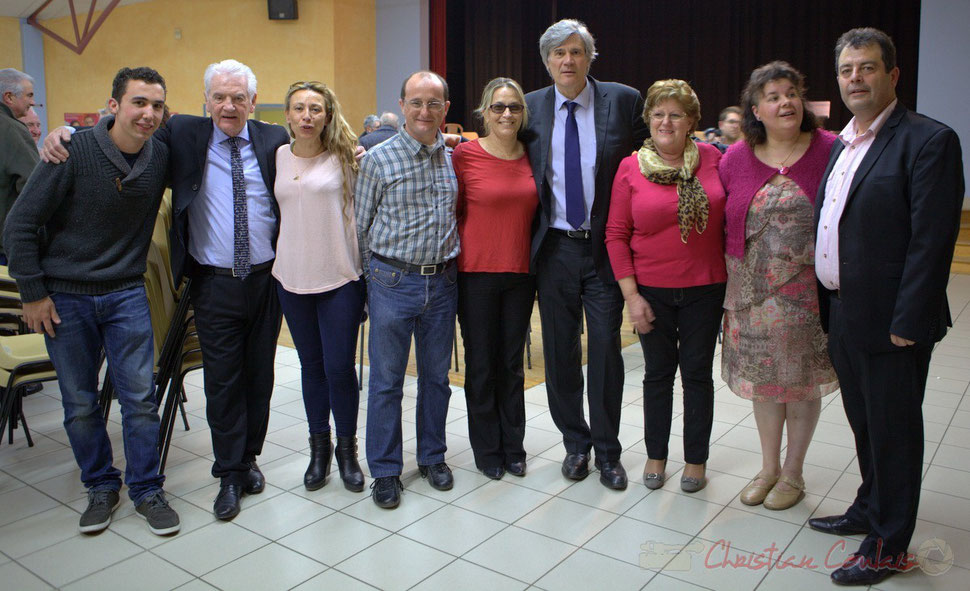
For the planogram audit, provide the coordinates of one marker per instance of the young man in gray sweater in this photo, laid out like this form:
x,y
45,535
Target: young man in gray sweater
x,y
77,239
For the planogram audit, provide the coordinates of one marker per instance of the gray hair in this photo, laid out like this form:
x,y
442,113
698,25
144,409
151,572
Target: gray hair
x,y
389,119
230,68
557,34
371,120
12,81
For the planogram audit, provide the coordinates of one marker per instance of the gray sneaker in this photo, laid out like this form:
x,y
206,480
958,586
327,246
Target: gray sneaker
x,y
162,519
101,504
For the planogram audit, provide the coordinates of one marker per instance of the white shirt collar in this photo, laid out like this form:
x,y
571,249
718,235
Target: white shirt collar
x,y
851,132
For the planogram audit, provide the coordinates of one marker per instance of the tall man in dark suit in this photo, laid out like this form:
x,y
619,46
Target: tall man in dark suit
x,y
583,129
887,215
224,231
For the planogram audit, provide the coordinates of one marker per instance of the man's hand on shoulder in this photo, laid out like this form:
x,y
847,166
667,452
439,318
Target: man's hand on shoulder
x,y
54,150
41,316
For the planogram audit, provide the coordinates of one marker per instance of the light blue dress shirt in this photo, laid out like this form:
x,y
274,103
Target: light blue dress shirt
x,y
211,235
555,170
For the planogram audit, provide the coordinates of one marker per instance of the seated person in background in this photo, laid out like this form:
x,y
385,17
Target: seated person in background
x,y
371,123
386,131
32,121
82,286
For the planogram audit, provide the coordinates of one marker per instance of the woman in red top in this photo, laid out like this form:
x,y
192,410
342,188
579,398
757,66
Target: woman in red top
x,y
665,237
496,204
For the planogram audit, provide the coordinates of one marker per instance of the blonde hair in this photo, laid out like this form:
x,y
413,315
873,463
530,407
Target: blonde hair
x,y
337,137
489,92
677,90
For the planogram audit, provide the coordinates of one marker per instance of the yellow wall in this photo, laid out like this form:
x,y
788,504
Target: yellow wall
x,y
10,56
332,41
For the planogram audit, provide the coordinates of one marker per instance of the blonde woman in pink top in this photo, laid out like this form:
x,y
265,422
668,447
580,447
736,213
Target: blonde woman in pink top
x,y
318,272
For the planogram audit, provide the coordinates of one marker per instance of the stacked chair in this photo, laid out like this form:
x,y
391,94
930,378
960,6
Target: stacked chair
x,y
23,360
176,345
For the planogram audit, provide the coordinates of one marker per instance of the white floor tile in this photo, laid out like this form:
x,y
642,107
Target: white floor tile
x,y
17,577
269,568
284,515
412,508
333,539
638,543
748,532
334,579
466,576
453,530
504,553
79,556
151,572
210,547
39,531
502,500
395,563
687,515
585,570
566,521
23,502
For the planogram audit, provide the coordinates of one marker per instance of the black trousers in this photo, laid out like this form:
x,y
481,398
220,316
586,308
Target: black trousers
x,y
684,335
882,393
238,322
494,310
568,285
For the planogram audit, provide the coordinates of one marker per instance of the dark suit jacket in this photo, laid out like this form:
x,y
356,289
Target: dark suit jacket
x,y
188,139
897,233
620,130
381,134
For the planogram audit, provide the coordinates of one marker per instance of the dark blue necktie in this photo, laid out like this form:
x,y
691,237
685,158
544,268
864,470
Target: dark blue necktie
x,y
241,263
575,203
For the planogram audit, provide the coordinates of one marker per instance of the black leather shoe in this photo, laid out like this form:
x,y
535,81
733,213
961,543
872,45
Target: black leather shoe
x,y
347,464
576,466
439,475
227,502
859,570
839,525
321,452
516,468
255,481
494,472
387,491
612,474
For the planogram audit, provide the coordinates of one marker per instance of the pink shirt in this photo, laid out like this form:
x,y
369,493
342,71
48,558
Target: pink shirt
x,y
837,193
317,248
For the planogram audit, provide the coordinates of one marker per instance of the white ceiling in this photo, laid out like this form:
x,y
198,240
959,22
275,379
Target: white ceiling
x,y
56,9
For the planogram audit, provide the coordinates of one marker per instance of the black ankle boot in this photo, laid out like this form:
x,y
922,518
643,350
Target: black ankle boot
x,y
321,452
347,464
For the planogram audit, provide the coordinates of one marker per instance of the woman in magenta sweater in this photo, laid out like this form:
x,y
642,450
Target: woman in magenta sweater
x,y
774,350
496,204
665,237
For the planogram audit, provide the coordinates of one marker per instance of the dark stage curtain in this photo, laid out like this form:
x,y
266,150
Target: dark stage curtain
x,y
713,44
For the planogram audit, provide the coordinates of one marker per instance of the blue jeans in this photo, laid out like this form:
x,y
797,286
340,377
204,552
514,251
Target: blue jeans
x,y
401,305
120,323
324,329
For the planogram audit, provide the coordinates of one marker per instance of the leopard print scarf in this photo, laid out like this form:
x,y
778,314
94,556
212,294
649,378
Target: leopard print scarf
x,y
692,203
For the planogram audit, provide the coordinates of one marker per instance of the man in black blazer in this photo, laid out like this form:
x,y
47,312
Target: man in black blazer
x,y
237,314
583,128
887,217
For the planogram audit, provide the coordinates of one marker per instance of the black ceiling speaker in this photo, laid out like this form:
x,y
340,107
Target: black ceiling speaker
x,y
282,10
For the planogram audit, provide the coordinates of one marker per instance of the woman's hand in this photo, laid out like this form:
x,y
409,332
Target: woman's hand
x,y
641,314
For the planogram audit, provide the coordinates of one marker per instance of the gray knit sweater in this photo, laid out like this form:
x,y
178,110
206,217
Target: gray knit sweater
x,y
84,226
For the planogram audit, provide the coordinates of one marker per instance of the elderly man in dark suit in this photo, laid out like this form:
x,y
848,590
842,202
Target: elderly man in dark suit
x,y
887,215
583,128
225,224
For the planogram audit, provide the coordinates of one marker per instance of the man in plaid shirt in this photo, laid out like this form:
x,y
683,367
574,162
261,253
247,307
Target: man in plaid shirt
x,y
405,209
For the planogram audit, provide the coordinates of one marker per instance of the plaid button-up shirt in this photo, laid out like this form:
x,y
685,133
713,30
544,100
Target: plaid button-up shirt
x,y
405,202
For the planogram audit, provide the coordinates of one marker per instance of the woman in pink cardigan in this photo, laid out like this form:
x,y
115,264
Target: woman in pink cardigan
x,y
774,351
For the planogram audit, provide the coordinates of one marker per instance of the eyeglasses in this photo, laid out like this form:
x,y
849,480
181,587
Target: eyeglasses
x,y
418,104
499,108
674,117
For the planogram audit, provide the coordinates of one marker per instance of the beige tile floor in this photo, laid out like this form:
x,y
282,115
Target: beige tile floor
x,y
539,532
